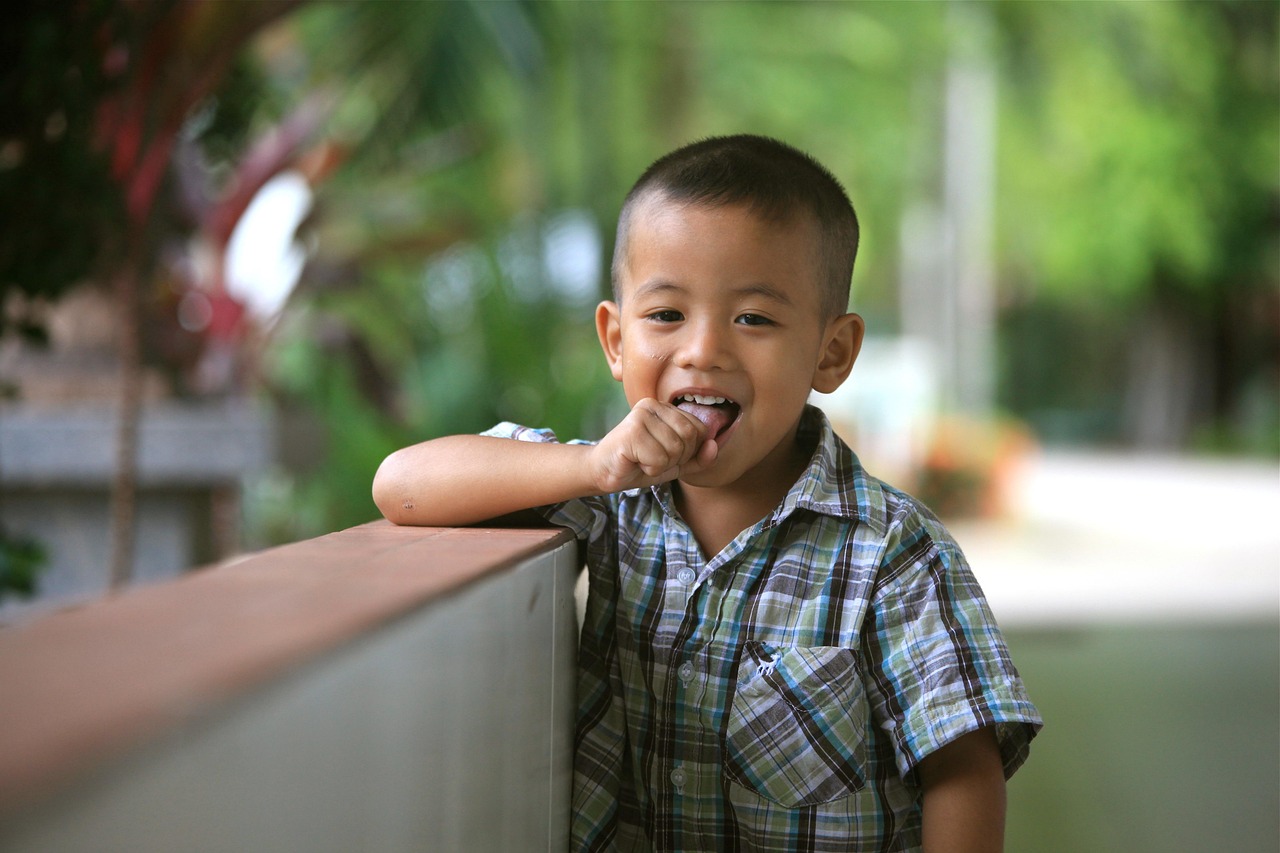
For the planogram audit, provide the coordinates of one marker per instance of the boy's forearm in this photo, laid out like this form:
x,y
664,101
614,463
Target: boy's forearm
x,y
465,479
964,796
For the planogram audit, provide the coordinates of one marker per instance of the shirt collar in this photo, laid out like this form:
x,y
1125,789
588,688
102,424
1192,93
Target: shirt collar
x,y
834,483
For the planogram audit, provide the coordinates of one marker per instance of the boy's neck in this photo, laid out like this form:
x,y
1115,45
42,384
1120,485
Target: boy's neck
x,y
717,514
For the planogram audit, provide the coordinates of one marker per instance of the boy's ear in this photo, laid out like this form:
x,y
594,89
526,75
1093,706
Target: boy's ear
x,y
609,328
841,344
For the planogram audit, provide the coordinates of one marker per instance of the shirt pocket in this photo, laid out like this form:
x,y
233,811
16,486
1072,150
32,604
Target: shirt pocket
x,y
796,733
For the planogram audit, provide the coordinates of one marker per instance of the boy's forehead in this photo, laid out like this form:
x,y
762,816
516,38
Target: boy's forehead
x,y
655,218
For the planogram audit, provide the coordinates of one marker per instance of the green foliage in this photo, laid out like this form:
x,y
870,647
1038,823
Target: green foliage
x,y
429,308
1139,175
471,337
52,79
21,559
1140,145
1058,369
225,123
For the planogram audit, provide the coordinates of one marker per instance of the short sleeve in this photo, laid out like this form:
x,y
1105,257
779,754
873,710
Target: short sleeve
x,y
939,666
587,517
506,429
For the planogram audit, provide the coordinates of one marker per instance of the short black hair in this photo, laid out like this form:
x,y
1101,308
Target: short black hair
x,y
774,180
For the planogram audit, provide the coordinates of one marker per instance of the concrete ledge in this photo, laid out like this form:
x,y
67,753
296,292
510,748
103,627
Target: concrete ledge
x,y
84,687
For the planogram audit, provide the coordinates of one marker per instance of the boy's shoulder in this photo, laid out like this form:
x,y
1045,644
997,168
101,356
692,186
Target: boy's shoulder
x,y
906,514
898,528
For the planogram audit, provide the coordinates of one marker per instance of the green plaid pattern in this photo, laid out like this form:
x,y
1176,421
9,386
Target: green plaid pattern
x,y
779,695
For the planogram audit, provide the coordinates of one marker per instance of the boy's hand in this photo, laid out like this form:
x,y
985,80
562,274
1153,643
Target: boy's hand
x,y
655,443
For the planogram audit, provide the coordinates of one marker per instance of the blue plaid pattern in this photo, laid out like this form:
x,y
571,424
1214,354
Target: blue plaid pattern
x,y
779,695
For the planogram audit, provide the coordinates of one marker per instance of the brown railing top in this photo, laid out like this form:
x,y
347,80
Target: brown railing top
x,y
80,686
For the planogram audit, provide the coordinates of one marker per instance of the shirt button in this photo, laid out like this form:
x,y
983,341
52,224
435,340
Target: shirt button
x,y
685,576
678,777
686,672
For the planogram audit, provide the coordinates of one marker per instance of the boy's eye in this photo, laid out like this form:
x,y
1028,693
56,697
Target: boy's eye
x,y
754,320
666,316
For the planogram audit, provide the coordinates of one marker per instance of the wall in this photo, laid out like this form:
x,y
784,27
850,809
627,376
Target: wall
x,y
378,689
57,466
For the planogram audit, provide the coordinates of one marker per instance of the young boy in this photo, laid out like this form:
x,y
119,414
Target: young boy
x,y
780,652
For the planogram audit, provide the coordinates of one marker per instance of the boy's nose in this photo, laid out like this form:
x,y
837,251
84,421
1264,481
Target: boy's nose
x,y
705,347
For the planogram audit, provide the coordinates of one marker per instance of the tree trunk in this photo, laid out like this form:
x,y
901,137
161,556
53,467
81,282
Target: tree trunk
x,y
124,489
1170,377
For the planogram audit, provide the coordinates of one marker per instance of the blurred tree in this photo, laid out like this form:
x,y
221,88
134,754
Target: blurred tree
x,y
48,87
1140,193
166,58
52,79
101,94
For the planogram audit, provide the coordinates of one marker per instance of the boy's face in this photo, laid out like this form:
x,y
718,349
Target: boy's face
x,y
717,302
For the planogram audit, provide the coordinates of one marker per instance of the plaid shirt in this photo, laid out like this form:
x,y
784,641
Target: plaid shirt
x,y
779,695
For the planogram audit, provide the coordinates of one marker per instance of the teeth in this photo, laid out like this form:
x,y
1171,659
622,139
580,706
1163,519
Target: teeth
x,y
701,400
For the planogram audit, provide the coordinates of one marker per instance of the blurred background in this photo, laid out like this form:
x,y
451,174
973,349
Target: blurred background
x,y
248,249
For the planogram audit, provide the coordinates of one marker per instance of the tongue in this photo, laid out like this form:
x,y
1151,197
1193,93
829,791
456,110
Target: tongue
x,y
715,417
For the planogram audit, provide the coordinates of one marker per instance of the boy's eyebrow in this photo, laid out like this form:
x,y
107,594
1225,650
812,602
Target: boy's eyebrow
x,y
655,286
768,291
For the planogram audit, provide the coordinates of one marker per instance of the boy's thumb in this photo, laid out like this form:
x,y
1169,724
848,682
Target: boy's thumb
x,y
707,453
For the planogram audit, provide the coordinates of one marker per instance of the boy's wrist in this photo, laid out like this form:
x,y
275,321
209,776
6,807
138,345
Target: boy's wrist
x,y
596,472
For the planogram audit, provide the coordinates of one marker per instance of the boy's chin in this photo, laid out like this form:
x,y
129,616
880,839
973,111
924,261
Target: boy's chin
x,y
707,478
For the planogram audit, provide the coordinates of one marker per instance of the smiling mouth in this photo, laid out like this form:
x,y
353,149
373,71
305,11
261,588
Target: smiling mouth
x,y
718,413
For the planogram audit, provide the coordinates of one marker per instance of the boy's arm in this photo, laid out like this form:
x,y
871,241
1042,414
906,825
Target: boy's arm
x,y
964,796
464,479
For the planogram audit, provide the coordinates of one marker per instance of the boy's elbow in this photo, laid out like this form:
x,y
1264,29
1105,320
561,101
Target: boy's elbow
x,y
389,493
386,506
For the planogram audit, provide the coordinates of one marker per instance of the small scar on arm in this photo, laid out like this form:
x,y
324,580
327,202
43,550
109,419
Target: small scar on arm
x,y
408,503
